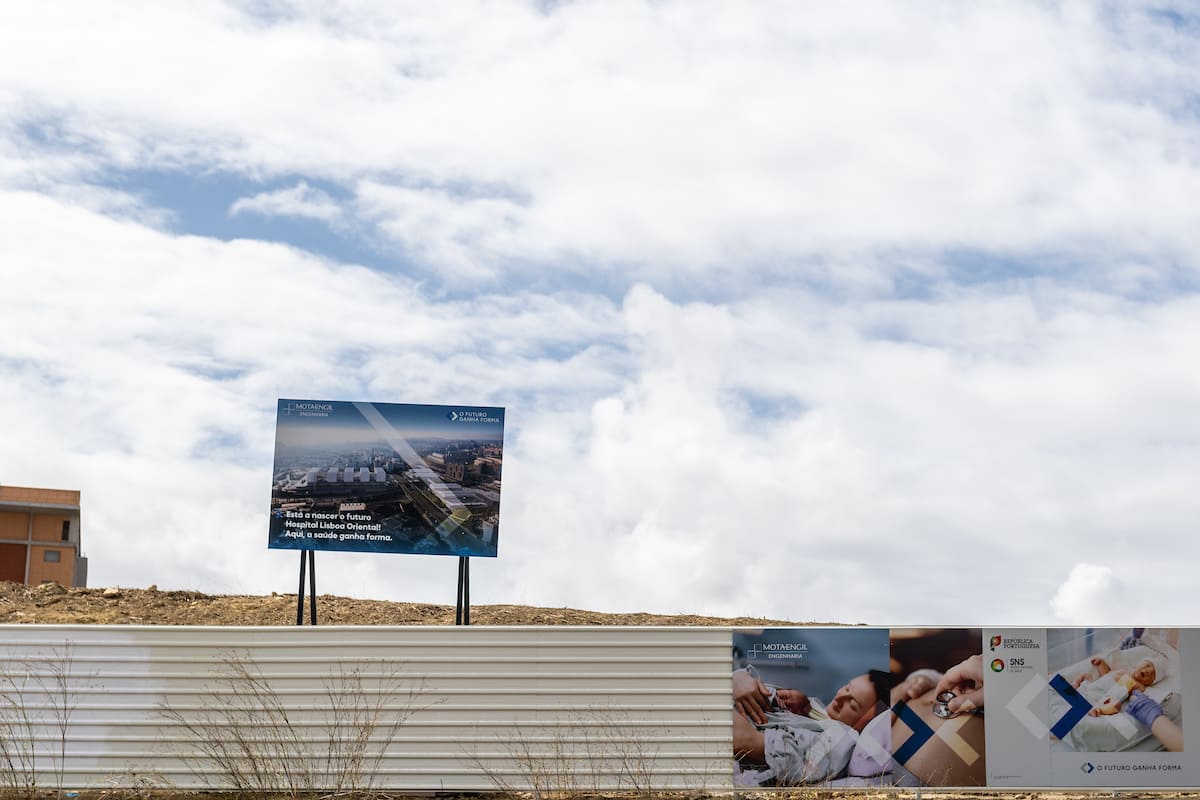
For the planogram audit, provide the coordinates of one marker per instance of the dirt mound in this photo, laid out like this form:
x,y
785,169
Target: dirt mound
x,y
50,603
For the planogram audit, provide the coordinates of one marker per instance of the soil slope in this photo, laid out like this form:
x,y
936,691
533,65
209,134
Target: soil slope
x,y
54,604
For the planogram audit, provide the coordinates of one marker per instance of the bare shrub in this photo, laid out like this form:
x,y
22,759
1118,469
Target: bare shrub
x,y
18,736
248,741
35,695
588,753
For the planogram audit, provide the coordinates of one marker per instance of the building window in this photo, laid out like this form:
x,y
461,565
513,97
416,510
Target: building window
x,y
66,534
51,556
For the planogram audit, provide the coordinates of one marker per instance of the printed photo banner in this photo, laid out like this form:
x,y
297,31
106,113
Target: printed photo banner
x,y
387,478
1085,708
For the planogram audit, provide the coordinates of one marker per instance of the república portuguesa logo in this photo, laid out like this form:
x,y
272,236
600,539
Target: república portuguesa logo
x,y
996,640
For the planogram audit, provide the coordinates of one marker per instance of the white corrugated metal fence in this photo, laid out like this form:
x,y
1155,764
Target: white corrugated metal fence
x,y
418,708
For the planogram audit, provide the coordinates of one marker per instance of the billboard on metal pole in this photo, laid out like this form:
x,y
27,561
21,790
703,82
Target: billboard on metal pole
x,y
387,478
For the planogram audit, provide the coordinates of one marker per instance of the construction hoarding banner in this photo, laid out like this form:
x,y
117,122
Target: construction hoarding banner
x,y
1087,708
387,478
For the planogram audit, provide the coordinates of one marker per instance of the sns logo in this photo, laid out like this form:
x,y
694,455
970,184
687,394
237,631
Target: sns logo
x,y
996,640
997,665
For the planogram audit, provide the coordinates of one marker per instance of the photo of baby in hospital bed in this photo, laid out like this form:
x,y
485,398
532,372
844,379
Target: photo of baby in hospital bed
x,y
1108,690
1129,677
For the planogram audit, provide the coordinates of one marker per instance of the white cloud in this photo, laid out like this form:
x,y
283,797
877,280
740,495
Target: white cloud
x,y
463,235
300,200
937,475
661,139
774,454
1090,592
942,349
145,369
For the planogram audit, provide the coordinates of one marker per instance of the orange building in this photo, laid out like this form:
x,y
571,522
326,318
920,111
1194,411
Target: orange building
x,y
39,537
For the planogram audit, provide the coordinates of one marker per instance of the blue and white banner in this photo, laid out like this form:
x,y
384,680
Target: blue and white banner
x,y
387,478
965,707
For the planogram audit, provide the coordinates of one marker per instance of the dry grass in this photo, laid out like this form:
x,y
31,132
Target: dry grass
x,y
36,704
245,740
588,754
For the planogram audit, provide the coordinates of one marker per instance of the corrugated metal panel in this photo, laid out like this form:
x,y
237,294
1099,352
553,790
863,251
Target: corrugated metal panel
x,y
439,708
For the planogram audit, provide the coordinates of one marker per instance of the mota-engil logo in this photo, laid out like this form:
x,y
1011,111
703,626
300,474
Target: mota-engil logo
x,y
305,409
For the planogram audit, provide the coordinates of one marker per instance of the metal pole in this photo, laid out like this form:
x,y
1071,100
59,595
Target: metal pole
x,y
458,594
466,590
312,585
300,593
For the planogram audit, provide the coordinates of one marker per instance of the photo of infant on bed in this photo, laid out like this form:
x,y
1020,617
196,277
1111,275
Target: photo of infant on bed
x,y
801,699
1130,680
937,727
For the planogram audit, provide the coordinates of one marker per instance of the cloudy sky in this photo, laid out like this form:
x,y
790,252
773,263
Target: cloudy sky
x,y
881,312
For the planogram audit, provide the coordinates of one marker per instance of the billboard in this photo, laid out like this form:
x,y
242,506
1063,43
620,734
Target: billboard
x,y
1093,707
964,707
387,478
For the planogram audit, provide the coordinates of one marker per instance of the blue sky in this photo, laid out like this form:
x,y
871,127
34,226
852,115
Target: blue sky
x,y
789,307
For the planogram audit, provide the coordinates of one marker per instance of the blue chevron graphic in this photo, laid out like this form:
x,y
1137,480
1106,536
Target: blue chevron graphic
x,y
1079,706
921,733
